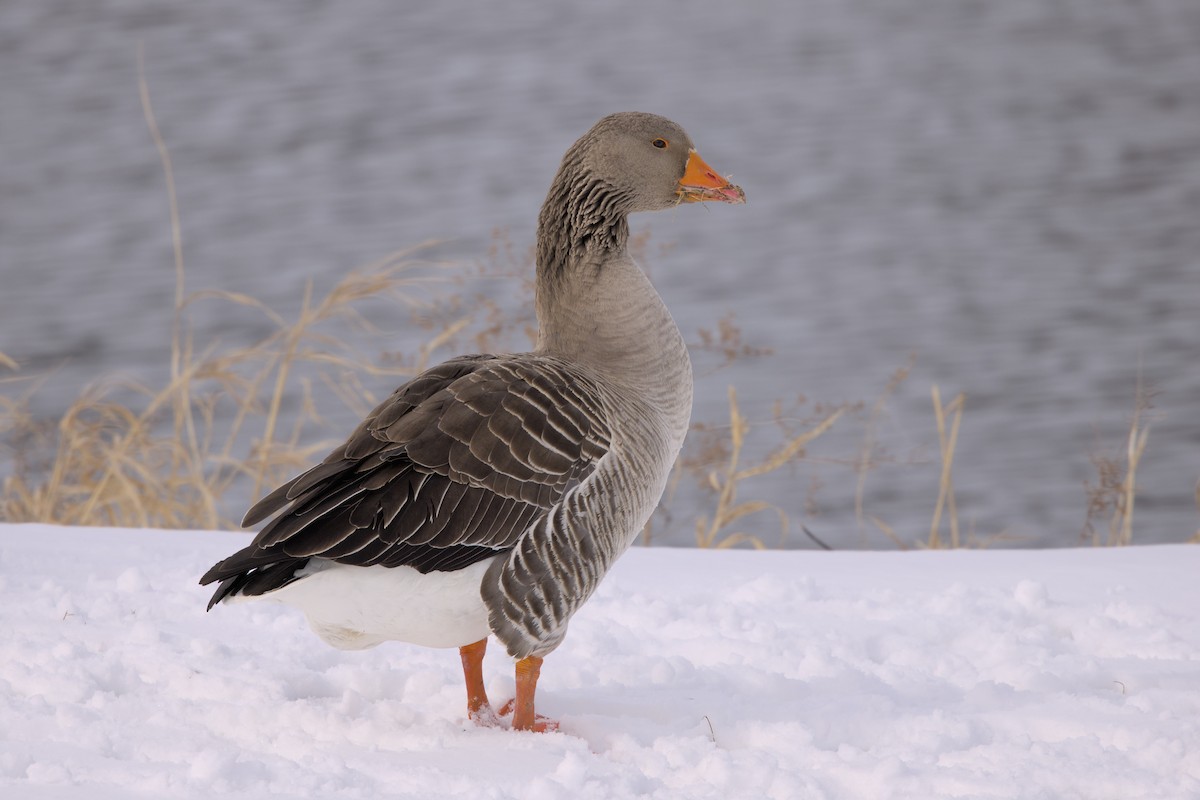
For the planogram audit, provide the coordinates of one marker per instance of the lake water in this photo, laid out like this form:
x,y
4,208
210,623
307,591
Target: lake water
x,y
1007,192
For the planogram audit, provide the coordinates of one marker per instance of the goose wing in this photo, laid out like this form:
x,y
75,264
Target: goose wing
x,y
452,468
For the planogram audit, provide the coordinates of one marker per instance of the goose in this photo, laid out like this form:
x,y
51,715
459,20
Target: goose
x,y
489,495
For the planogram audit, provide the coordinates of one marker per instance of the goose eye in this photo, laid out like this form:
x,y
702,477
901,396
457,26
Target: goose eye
x,y
660,143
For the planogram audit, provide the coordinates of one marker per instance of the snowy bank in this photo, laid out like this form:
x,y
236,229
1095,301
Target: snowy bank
x,y
691,674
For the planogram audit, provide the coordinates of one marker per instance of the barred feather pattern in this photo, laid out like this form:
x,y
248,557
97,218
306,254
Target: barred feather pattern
x,y
532,594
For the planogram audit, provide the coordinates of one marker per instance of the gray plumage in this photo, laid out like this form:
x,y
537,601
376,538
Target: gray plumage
x,y
552,460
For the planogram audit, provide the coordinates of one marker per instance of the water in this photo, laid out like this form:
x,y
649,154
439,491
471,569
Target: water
x,y
1008,192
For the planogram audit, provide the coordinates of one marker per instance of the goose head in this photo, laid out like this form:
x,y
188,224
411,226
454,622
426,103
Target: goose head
x,y
647,163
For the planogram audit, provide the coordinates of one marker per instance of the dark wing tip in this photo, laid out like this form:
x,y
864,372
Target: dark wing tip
x,y
222,591
243,573
212,574
267,506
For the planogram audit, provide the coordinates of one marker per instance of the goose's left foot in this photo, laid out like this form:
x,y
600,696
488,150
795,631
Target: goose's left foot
x,y
521,706
540,724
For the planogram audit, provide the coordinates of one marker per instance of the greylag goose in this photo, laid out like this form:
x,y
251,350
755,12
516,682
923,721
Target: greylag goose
x,y
490,494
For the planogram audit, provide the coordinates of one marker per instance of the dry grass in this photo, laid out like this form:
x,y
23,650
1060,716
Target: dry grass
x,y
1115,491
868,455
725,342
128,455
945,530
166,457
946,445
1196,539
711,531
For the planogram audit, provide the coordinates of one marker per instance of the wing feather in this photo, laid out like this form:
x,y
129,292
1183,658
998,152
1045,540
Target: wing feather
x,y
453,467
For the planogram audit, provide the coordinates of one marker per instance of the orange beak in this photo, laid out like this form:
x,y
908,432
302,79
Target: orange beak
x,y
701,183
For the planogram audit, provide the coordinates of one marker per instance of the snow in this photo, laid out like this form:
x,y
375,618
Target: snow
x,y
691,674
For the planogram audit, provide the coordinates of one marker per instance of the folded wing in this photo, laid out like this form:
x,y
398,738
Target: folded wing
x,y
451,469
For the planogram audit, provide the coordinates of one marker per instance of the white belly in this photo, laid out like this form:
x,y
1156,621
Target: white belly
x,y
353,608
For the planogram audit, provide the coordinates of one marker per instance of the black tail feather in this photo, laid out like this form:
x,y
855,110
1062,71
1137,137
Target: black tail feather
x,y
244,574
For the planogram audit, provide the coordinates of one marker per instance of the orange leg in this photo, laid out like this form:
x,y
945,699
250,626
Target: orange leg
x,y
478,708
524,718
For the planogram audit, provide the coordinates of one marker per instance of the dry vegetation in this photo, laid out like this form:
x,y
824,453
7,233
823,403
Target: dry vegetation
x,y
179,455
190,453
1115,490
128,455
1196,539
125,454
175,455
713,531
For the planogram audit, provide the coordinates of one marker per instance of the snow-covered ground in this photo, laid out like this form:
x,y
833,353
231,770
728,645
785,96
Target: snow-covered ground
x,y
691,674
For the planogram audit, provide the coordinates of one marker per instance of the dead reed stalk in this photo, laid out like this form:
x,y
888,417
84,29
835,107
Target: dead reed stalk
x,y
1196,539
166,458
725,482
946,445
866,454
1116,489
